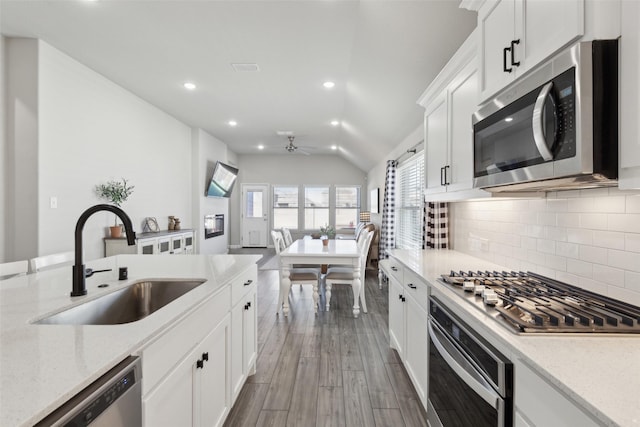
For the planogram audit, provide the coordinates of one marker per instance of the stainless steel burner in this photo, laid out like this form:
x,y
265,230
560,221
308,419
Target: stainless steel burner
x,y
533,303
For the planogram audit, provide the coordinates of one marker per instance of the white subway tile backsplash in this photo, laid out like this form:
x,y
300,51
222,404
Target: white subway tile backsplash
x,y
556,262
612,204
593,254
609,239
580,268
632,281
593,221
547,218
557,205
581,205
558,234
592,285
569,250
633,204
546,246
631,242
624,260
612,276
580,236
568,219
625,295
628,223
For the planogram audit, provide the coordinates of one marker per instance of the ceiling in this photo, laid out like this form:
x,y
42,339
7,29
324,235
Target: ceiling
x,y
381,55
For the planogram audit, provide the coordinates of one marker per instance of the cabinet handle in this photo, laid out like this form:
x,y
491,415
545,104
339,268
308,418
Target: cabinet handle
x,y
205,356
199,364
412,286
446,181
504,60
513,50
248,282
442,176
394,268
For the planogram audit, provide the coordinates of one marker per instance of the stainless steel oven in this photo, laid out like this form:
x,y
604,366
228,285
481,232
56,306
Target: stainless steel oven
x,y
555,128
470,382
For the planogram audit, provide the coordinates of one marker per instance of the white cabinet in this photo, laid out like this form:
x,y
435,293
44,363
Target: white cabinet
x,y
516,35
162,243
449,103
532,393
244,341
408,315
630,96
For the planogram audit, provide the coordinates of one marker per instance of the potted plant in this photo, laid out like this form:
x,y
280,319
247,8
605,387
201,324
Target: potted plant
x,y
328,232
116,192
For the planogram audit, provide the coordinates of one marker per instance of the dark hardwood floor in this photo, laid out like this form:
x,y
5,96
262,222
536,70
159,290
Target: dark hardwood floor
x,y
325,369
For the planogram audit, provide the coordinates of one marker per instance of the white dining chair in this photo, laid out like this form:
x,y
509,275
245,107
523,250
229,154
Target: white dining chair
x,y
15,268
301,276
47,261
341,274
286,234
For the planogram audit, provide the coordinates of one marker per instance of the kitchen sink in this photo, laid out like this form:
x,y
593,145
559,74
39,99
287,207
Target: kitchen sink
x,y
127,305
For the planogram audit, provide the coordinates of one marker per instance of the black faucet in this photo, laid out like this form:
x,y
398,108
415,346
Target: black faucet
x,y
79,286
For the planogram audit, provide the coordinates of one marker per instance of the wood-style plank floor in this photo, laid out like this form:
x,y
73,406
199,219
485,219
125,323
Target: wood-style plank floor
x,y
325,369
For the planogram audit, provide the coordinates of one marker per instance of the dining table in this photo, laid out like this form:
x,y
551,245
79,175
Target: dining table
x,y
310,251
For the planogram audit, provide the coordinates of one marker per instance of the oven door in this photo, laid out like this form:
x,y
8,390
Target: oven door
x,y
458,394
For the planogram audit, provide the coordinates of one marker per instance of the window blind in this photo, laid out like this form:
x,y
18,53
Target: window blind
x,y
409,204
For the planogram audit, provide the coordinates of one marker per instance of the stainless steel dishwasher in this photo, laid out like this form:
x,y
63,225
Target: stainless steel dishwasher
x,y
113,400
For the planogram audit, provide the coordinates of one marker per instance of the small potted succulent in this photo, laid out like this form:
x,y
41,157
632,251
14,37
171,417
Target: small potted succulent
x,y
327,232
116,192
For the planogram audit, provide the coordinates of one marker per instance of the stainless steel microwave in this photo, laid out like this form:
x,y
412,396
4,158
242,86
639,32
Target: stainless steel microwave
x,y
557,128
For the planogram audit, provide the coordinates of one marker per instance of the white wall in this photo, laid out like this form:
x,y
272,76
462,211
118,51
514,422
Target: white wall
x,y
90,130
293,169
588,238
4,174
206,151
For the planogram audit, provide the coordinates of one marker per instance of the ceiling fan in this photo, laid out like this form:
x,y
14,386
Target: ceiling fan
x,y
292,148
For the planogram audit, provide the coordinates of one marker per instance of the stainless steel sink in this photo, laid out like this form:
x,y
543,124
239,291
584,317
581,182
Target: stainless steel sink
x,y
127,305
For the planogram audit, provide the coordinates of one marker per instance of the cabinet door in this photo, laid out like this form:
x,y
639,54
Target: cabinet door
x,y
147,246
177,245
171,403
463,102
396,316
496,22
212,399
237,342
416,349
249,334
544,27
435,124
164,246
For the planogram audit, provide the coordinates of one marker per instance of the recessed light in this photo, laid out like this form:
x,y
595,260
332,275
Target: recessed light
x,y
334,147
260,147
328,85
232,123
189,86
334,123
508,119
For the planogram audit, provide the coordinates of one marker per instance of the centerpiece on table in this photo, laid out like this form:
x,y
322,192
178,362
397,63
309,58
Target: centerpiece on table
x,y
327,232
116,192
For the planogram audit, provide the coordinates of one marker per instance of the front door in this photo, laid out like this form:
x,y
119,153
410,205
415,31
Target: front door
x,y
255,215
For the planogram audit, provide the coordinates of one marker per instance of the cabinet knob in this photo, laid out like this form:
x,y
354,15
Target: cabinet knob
x,y
394,268
199,364
246,306
205,356
399,296
248,282
403,299
412,286
249,303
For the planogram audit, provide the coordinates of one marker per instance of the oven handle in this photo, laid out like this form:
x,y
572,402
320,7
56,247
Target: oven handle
x,y
463,369
536,122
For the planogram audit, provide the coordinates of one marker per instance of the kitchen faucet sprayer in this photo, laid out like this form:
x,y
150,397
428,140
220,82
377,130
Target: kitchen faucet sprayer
x,y
79,285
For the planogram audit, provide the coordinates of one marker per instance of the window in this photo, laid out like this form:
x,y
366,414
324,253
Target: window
x,y
409,204
254,204
316,207
347,206
285,207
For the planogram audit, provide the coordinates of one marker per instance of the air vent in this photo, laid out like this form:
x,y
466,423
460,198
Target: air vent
x,y
245,67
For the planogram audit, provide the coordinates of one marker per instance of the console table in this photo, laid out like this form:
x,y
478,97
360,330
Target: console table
x,y
167,242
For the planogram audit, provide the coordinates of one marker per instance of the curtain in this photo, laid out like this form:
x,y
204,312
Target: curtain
x,y
436,233
387,230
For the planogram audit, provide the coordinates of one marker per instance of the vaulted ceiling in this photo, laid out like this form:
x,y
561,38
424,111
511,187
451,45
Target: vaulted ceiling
x,y
381,55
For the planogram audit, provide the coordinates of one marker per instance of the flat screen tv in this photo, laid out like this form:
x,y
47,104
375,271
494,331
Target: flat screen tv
x,y
222,180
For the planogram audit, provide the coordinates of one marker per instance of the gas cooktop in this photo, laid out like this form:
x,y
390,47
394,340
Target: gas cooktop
x,y
529,302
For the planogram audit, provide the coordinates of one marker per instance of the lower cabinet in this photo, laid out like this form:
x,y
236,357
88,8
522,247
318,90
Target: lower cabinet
x,y
416,351
243,342
194,393
396,315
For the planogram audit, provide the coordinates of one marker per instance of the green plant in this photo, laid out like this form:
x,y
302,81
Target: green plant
x,y
328,231
115,192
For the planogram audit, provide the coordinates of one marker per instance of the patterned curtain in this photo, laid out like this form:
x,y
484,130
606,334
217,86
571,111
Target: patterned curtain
x,y
387,231
436,234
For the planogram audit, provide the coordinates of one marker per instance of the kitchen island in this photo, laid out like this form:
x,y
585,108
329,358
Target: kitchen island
x,y
42,366
597,373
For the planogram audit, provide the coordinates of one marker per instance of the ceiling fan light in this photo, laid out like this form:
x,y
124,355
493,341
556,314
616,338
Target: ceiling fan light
x,y
328,84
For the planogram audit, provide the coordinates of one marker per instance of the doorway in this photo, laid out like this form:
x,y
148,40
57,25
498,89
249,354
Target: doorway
x,y
255,215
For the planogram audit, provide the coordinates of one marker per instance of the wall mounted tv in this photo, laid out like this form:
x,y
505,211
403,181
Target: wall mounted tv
x,y
222,180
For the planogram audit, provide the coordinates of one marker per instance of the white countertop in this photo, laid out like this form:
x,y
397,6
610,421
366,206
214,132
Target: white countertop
x,y
42,366
601,373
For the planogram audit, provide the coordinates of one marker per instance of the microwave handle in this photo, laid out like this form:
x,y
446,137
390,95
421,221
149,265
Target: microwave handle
x,y
463,369
538,130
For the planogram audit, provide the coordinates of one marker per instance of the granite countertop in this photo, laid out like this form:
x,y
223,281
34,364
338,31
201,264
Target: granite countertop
x,y
601,373
42,366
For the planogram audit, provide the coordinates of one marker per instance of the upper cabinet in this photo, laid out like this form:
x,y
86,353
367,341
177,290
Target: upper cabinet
x,y
516,35
449,103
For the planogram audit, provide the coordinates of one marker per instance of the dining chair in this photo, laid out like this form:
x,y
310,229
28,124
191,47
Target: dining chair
x,y
342,274
301,276
15,268
286,234
46,261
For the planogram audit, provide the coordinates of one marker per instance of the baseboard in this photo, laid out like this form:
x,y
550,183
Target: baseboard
x,y
235,246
